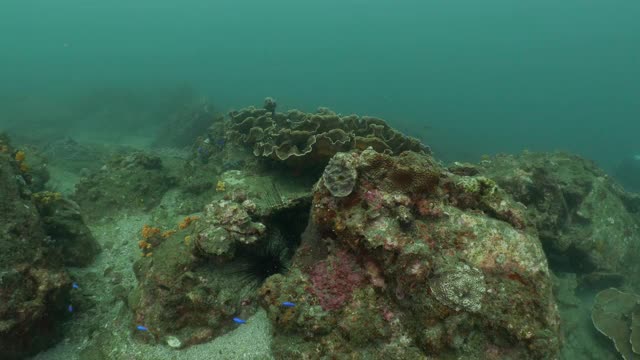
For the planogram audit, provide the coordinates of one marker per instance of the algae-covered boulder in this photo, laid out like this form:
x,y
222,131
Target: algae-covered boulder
x,y
416,262
584,219
308,140
128,182
65,227
33,282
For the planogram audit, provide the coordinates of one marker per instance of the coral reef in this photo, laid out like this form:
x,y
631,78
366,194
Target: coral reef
x,y
299,139
615,314
414,262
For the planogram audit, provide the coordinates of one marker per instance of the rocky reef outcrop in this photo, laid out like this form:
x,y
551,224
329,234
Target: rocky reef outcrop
x,y
196,278
414,262
33,281
587,223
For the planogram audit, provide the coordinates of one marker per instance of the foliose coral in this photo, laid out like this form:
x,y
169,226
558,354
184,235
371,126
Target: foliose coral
x,y
340,175
615,314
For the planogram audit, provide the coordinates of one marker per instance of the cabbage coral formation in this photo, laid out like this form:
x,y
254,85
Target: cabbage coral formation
x,y
311,139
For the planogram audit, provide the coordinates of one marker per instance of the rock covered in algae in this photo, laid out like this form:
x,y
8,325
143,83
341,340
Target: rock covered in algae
x,y
463,277
202,274
615,314
301,139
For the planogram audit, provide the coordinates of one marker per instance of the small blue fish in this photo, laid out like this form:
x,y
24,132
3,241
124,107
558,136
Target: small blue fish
x,y
288,304
239,321
70,308
142,328
75,285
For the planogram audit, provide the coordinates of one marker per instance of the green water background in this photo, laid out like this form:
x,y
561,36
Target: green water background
x,y
470,77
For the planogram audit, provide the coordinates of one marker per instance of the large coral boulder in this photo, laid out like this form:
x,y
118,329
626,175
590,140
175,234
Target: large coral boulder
x,y
414,262
33,282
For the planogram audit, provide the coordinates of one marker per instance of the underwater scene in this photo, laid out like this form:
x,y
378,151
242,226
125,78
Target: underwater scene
x,y
344,179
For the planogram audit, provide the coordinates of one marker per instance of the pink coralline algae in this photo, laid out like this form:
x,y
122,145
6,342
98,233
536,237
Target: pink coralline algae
x,y
334,280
